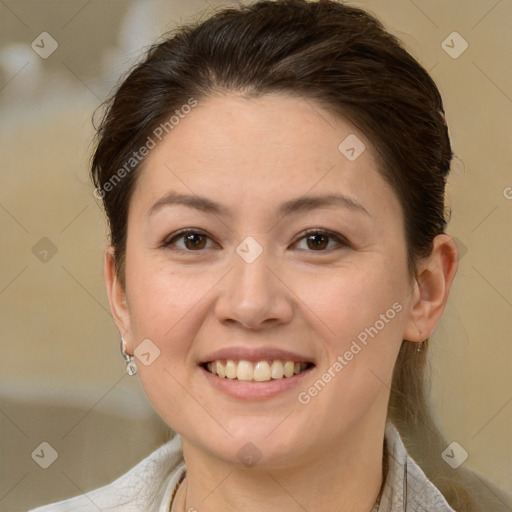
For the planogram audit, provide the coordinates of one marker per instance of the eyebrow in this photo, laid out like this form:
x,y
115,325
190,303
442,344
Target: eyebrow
x,y
300,204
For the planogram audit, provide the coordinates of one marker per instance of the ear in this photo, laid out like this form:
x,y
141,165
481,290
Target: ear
x,y
117,298
431,288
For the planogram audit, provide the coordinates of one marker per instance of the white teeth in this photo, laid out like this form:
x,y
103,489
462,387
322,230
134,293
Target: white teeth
x,y
276,370
245,371
260,371
231,369
221,371
289,368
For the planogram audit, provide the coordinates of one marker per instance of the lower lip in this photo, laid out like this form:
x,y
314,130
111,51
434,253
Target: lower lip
x,y
249,390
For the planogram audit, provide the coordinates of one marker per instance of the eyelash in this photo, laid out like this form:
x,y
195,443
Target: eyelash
x,y
340,239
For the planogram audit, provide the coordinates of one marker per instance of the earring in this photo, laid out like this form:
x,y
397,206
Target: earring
x,y
131,365
420,344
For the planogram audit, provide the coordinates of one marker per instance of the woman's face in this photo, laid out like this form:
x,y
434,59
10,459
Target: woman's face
x,y
269,264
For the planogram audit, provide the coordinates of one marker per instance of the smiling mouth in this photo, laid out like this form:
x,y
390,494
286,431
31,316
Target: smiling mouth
x,y
259,371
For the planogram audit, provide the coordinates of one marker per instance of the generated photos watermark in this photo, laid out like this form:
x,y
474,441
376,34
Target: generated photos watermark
x,y
361,341
137,156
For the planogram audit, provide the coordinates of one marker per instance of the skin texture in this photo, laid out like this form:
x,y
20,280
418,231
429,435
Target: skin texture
x,y
251,155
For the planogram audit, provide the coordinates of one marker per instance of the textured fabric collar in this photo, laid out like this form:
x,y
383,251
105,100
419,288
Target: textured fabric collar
x,y
407,489
148,486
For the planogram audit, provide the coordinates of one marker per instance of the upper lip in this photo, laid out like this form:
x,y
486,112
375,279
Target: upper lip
x,y
255,354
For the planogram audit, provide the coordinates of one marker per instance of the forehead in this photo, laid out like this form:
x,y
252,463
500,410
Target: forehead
x,y
259,150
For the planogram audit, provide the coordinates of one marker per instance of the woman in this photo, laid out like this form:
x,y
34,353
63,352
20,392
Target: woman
x,y
274,183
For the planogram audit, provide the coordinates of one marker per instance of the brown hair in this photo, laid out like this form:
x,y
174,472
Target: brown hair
x,y
343,58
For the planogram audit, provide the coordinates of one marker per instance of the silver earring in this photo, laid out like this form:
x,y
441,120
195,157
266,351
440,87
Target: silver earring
x,y
131,365
420,344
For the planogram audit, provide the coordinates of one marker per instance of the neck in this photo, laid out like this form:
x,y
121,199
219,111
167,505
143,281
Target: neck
x,y
347,478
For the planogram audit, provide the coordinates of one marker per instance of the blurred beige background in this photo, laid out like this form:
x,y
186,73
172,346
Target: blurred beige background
x,y
62,379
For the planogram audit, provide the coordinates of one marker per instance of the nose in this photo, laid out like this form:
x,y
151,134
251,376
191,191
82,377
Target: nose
x,y
254,295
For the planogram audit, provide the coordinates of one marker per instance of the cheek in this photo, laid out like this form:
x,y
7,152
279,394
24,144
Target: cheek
x,y
360,318
361,326
349,300
161,295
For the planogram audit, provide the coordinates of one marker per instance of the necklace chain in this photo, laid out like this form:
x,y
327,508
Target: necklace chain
x,y
178,483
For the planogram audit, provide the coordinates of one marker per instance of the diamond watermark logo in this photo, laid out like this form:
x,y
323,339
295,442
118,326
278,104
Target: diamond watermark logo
x,y
351,147
454,45
454,455
44,250
44,45
146,352
249,250
45,455
249,455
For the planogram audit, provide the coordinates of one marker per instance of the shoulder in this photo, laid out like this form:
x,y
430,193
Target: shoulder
x,y
407,487
138,489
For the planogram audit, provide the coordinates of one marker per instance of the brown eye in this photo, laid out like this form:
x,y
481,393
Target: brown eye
x,y
318,241
195,241
192,241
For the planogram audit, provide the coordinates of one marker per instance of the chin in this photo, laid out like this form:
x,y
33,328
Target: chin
x,y
259,445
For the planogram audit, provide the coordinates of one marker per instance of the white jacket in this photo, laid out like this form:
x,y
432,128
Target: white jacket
x,y
148,486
